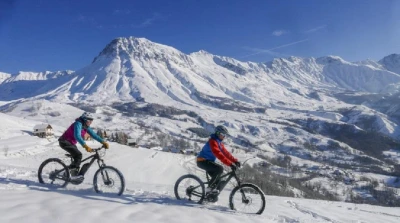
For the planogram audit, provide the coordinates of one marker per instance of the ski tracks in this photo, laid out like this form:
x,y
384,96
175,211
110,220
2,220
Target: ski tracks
x,y
309,212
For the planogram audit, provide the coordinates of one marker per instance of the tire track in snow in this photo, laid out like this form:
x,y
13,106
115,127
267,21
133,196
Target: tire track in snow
x,y
374,212
305,211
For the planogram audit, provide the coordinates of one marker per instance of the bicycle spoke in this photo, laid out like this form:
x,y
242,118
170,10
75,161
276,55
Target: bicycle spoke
x,y
197,194
190,188
248,199
108,180
52,172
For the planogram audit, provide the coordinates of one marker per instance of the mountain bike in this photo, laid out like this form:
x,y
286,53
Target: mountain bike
x,y
245,197
107,179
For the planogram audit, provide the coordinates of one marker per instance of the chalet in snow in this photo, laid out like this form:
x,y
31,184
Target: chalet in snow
x,y
43,130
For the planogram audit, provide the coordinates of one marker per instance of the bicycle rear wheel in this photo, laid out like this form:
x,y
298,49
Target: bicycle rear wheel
x,y
53,172
108,180
189,187
247,198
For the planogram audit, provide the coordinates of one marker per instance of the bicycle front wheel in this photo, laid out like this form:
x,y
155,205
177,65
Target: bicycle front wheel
x,y
189,187
247,198
54,173
108,180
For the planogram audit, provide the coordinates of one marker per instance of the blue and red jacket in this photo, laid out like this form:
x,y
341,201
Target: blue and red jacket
x,y
77,131
213,149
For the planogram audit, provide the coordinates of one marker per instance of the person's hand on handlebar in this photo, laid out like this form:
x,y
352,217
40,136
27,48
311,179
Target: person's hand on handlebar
x,y
88,149
105,145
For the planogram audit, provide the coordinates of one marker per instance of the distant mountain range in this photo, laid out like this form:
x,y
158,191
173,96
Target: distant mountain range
x,y
131,69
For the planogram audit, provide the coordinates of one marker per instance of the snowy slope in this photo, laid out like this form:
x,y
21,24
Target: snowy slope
x,y
4,76
150,176
28,84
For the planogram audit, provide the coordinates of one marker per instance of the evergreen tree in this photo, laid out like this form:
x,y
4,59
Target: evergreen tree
x,y
99,133
105,134
112,137
116,137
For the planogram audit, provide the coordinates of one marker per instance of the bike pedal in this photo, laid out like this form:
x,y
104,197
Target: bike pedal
x,y
76,179
212,199
74,171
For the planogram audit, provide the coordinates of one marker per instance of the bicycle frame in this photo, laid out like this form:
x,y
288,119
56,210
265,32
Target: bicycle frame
x,y
230,175
94,157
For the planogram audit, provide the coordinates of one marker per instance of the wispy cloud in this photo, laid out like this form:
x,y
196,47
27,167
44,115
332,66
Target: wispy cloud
x,y
270,51
89,20
261,51
149,21
315,29
279,32
289,44
121,12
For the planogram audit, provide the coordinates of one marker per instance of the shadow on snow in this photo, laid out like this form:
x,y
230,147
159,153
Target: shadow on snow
x,y
88,193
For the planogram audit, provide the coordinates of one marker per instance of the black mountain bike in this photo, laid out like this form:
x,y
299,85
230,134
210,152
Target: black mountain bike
x,y
245,197
107,179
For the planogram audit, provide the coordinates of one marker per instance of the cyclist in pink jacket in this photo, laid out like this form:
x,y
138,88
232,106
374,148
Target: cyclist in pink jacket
x,y
75,134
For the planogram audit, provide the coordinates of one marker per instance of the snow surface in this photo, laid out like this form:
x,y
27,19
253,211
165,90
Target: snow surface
x,y
150,176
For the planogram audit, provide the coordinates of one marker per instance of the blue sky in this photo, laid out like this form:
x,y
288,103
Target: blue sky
x,y
38,35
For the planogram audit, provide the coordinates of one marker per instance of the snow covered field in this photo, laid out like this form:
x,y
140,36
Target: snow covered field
x,y
150,176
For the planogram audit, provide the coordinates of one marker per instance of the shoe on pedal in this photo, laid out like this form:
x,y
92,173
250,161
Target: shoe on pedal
x,y
211,190
77,178
212,195
74,171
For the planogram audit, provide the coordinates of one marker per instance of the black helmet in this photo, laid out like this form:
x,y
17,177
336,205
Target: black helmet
x,y
221,129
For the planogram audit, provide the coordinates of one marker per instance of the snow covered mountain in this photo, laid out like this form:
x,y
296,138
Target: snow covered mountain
x,y
131,69
4,76
326,113
27,84
391,63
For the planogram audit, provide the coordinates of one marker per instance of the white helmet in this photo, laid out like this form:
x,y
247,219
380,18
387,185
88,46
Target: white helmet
x,y
87,116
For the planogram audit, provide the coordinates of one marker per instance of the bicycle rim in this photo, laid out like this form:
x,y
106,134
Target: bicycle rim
x,y
108,180
54,173
248,199
190,188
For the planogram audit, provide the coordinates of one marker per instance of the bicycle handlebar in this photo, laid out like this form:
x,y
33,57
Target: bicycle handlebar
x,y
248,160
98,149
238,168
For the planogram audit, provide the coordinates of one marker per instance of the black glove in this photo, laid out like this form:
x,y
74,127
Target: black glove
x,y
238,164
233,167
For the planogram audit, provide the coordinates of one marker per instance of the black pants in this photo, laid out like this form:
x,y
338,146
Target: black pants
x,y
213,169
73,150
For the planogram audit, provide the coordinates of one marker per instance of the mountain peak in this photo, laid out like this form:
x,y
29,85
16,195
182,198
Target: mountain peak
x,y
136,47
393,56
391,63
123,42
202,53
330,60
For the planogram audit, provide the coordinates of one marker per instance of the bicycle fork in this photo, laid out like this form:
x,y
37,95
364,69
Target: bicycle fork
x,y
104,174
245,200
